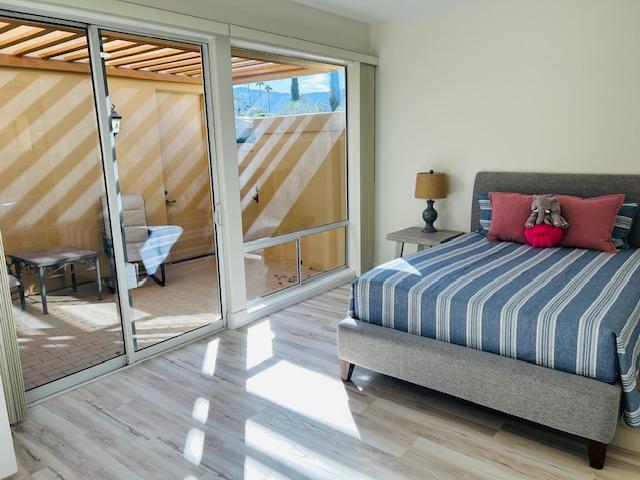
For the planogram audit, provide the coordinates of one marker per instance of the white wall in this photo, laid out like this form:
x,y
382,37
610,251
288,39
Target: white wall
x,y
521,85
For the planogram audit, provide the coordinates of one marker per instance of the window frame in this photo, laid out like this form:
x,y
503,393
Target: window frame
x,y
348,225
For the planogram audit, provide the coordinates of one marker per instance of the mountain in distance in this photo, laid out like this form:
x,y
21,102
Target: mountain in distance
x,y
279,101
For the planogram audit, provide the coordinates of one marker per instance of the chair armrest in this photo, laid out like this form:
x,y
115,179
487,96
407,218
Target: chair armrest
x,y
11,265
107,244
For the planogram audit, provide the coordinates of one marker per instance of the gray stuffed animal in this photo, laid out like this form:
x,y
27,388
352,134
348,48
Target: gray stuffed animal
x,y
546,208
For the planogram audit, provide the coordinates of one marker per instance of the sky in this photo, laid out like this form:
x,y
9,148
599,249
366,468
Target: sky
x,y
307,84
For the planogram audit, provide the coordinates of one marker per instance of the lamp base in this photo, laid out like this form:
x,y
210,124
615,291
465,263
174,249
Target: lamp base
x,y
429,216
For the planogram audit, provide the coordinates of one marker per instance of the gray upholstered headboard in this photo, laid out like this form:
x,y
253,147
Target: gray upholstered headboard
x,y
582,185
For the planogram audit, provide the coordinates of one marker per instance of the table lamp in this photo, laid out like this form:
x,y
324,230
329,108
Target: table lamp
x,y
429,186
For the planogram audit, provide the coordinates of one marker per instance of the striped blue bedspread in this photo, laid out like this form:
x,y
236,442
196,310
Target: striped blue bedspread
x,y
569,309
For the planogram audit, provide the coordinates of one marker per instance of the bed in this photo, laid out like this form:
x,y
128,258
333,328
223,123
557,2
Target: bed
x,y
548,335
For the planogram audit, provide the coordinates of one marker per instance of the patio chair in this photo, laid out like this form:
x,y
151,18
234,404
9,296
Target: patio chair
x,y
146,246
15,283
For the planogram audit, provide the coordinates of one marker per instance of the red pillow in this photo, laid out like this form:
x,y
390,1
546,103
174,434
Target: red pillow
x,y
509,214
591,221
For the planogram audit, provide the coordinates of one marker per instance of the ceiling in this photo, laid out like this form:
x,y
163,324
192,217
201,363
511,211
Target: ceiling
x,y
373,11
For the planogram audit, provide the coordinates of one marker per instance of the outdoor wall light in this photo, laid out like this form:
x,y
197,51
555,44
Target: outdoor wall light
x,y
116,118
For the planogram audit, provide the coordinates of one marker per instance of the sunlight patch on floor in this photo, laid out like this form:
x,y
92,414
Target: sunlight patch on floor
x,y
306,392
210,357
194,446
200,410
259,343
26,320
99,314
294,455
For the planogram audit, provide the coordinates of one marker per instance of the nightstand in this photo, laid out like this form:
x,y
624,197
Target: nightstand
x,y
416,236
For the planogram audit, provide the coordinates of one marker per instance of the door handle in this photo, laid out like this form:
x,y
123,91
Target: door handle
x,y
167,201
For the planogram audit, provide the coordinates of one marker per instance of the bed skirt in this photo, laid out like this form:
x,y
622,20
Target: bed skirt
x,y
571,403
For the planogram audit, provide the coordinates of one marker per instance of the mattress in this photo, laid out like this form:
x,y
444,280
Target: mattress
x,y
568,309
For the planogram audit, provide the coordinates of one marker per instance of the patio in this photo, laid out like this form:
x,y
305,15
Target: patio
x,y
80,332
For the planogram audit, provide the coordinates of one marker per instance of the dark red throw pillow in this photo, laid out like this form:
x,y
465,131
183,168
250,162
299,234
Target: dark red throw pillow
x,y
509,214
591,221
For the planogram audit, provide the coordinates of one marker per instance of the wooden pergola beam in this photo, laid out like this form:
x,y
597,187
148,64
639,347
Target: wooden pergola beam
x,y
267,69
132,51
152,41
138,57
105,47
9,26
141,57
182,69
25,38
282,60
170,65
158,77
46,44
39,63
74,67
248,63
261,77
79,46
195,71
168,59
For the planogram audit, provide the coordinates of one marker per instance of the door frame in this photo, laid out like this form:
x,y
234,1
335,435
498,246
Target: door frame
x,y
107,140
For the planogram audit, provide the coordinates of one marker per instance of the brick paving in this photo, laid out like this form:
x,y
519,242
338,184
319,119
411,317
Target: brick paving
x,y
81,332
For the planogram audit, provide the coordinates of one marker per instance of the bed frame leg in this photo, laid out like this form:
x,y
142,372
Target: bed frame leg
x,y
597,454
346,370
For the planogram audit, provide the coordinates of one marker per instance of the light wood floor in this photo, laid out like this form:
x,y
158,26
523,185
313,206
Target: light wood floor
x,y
266,402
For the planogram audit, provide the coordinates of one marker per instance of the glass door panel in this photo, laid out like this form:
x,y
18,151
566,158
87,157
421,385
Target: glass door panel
x,y
271,269
52,189
291,136
322,252
292,160
165,182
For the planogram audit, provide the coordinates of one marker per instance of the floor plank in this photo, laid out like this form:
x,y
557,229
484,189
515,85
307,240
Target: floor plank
x,y
266,402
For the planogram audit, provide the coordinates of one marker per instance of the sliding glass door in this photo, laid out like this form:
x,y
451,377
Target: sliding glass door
x,y
155,87
106,198
51,185
291,137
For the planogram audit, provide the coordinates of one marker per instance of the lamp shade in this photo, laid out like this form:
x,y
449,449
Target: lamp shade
x,y
431,185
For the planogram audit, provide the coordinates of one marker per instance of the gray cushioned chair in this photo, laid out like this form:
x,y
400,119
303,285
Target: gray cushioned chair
x,y
146,246
15,283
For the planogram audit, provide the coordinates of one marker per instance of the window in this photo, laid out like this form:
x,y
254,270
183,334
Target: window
x,y
291,138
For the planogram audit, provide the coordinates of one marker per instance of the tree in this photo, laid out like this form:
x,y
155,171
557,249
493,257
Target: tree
x,y
268,89
260,85
295,90
334,85
249,92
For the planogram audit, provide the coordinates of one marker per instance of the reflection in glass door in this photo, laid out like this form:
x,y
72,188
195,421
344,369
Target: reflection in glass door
x,y
51,186
165,182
